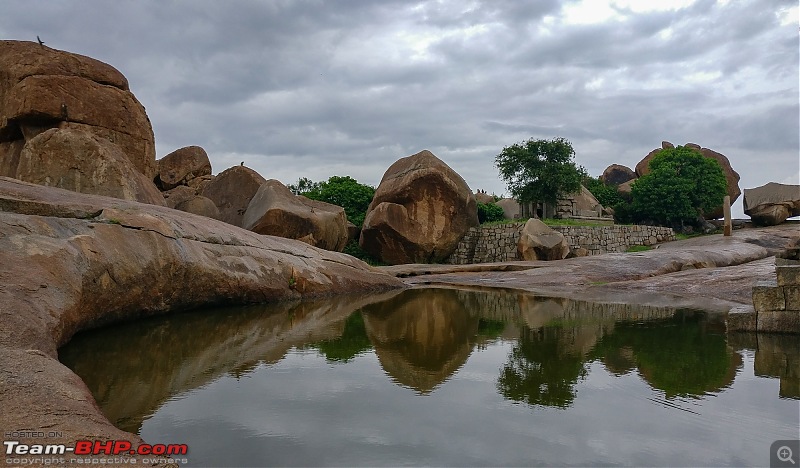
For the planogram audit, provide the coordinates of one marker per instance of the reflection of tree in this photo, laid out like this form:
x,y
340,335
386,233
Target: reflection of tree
x,y
679,357
541,370
353,341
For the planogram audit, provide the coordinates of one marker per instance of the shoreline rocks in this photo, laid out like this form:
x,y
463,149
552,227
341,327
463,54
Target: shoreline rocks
x,y
70,261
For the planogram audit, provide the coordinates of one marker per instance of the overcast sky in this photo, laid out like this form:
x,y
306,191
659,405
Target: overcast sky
x,y
299,88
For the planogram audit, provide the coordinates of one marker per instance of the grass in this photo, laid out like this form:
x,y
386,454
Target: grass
x,y
639,248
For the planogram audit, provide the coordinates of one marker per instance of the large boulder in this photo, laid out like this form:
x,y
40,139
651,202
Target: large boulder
x,y
731,176
181,166
82,162
421,210
510,207
617,174
538,241
43,88
232,191
274,210
772,203
483,197
199,205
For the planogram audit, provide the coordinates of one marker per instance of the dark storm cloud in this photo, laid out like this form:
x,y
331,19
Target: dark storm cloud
x,y
309,88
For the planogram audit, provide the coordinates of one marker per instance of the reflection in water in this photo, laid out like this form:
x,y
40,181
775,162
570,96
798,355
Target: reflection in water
x,y
548,348
421,339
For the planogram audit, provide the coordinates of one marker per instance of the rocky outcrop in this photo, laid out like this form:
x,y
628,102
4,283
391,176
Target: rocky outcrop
x,y
70,261
231,191
482,197
420,211
181,166
83,162
772,203
510,208
199,205
274,210
617,174
538,242
43,88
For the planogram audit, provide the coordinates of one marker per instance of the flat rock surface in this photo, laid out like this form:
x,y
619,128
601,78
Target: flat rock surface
x,y
71,261
711,272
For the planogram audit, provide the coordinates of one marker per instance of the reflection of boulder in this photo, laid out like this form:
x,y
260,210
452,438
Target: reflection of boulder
x,y
133,368
421,337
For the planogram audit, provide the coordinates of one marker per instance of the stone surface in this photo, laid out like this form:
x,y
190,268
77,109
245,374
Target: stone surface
x,y
274,210
778,321
483,197
70,261
742,318
82,162
181,166
231,191
625,188
42,88
199,205
767,296
788,275
772,203
510,207
420,211
179,195
617,174
537,241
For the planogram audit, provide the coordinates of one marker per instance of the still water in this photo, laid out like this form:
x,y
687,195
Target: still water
x,y
446,377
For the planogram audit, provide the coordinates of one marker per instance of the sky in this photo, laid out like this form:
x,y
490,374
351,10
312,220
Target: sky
x,y
313,88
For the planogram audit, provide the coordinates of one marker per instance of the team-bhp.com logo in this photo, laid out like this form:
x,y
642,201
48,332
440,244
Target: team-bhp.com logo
x,y
157,453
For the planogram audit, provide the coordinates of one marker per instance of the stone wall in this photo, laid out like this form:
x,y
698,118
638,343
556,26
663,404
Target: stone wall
x,y
498,243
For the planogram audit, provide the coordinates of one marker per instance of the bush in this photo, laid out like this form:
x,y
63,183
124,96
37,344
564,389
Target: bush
x,y
606,194
341,191
489,213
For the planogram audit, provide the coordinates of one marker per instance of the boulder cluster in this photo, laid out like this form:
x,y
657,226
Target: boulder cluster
x,y
71,122
623,176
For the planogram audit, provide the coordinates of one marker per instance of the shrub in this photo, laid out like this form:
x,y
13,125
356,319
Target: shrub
x,y
489,213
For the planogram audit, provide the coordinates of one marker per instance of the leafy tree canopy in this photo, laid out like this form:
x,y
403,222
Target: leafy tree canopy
x,y
343,191
539,170
606,194
682,184
489,212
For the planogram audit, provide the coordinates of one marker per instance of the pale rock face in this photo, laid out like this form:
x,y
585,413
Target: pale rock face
x,y
538,242
43,88
420,211
82,162
199,205
231,191
274,210
772,203
510,208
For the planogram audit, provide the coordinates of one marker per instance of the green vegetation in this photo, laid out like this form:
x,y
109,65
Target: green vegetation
x,y
681,186
490,328
342,191
489,213
606,194
353,341
539,170
639,248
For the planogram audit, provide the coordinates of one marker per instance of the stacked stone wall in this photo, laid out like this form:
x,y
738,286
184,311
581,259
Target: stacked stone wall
x,y
498,243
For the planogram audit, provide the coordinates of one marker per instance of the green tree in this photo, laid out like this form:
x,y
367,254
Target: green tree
x,y
539,170
342,191
681,186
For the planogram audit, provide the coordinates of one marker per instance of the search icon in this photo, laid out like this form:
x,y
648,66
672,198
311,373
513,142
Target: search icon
x,y
785,454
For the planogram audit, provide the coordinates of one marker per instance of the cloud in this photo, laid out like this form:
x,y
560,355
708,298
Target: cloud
x,y
314,88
